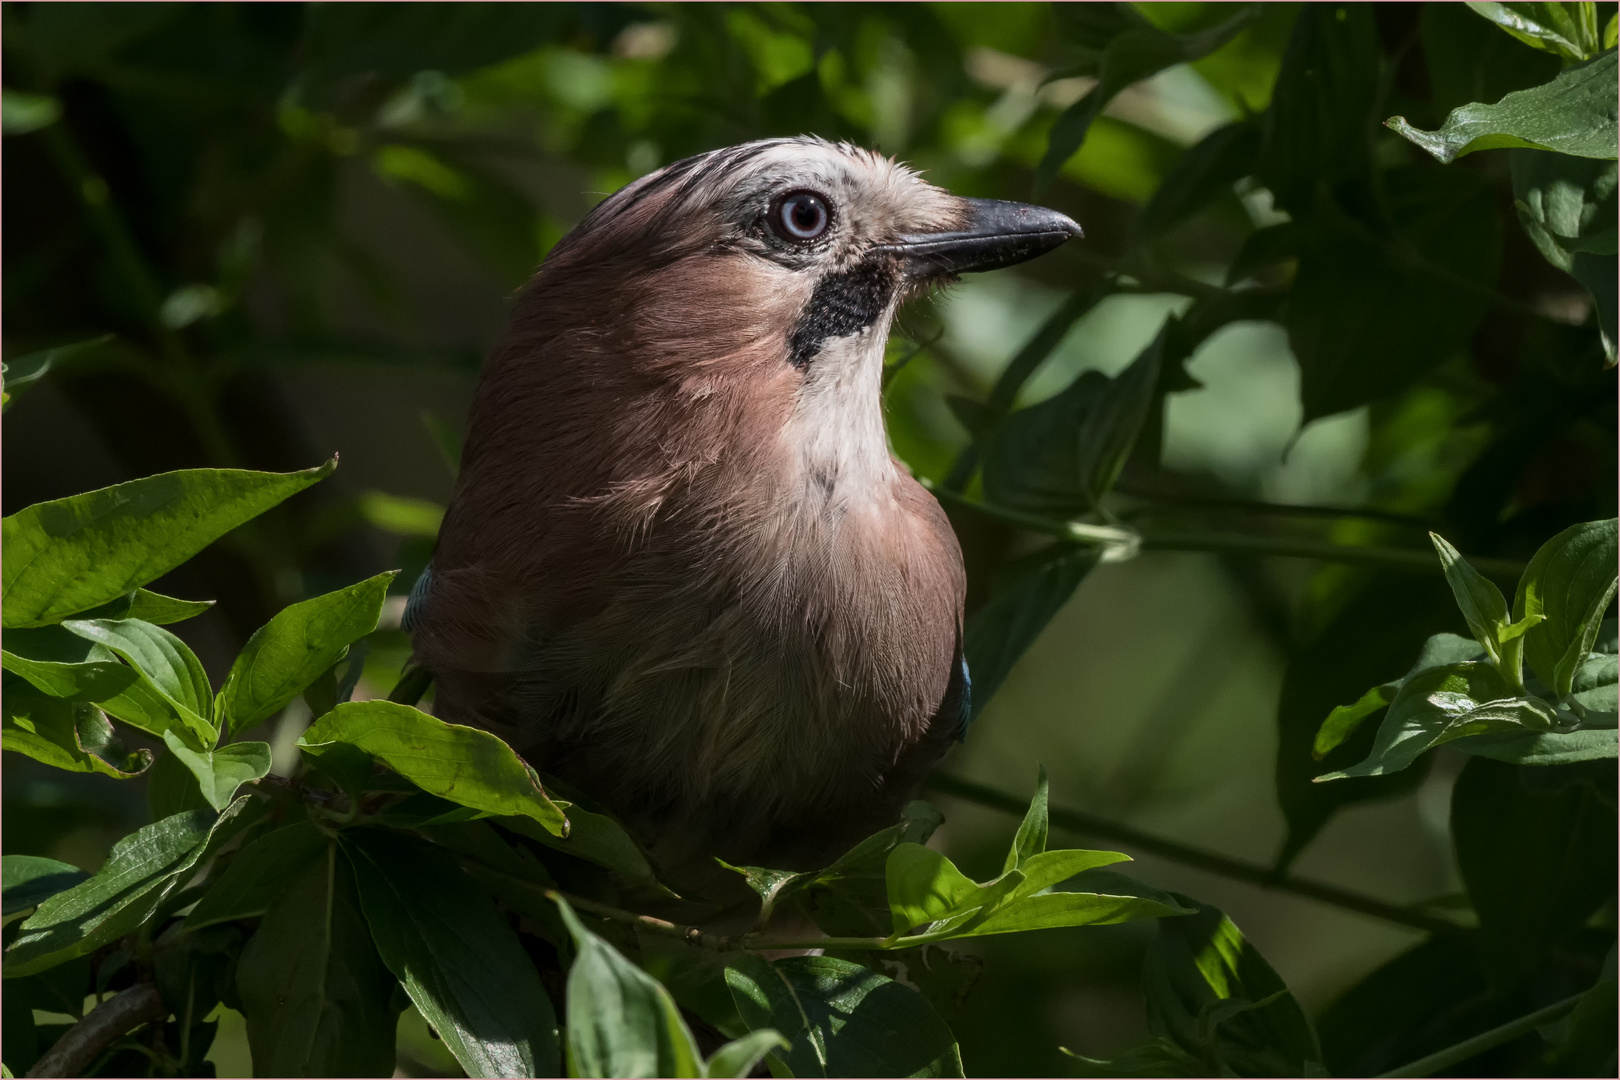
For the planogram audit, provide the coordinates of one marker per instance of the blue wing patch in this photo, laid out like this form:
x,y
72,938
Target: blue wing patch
x,y
965,701
416,602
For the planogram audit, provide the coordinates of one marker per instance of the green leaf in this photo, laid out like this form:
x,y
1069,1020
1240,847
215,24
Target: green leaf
x,y
622,1022
850,896
1574,114
1569,583
1570,30
841,1019
1030,840
1442,704
1061,456
149,607
72,554
65,665
401,516
313,989
21,113
1536,863
1425,275
925,886
29,880
142,869
1567,207
257,875
1001,631
163,664
22,373
295,647
462,966
70,735
1543,748
1482,603
1317,129
1203,173
462,764
1134,50
593,837
220,772
738,1057
1343,721
1212,995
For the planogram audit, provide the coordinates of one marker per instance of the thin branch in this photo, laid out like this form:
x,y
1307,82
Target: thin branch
x,y
1164,502
106,1023
1453,1055
1224,543
1237,869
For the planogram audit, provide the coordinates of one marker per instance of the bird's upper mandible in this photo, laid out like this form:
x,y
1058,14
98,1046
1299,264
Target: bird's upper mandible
x,y
681,567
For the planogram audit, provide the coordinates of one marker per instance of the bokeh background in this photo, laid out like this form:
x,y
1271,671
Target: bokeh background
x,y
304,224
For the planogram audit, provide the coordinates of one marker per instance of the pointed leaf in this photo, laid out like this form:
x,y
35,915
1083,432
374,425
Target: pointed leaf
x,y
1574,114
293,649
1569,30
70,735
257,875
71,554
30,880
313,989
149,606
220,772
1001,631
738,1057
461,964
841,1019
1030,839
1569,582
462,764
163,663
1482,603
622,1022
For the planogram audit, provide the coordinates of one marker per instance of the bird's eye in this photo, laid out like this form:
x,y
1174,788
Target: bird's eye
x,y
801,216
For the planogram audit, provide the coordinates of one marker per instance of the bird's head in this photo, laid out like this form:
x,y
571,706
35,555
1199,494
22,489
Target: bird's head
x,y
740,301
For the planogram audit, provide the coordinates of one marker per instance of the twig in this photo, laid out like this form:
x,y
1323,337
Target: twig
x,y
1225,543
107,1022
1453,1055
1237,869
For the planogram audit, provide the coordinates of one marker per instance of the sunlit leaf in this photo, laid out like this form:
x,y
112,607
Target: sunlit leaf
x,y
221,771
72,554
162,663
1574,114
29,880
622,1022
70,735
295,647
841,1019
462,764
1569,29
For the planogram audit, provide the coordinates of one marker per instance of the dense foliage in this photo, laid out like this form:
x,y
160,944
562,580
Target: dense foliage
x,y
1422,198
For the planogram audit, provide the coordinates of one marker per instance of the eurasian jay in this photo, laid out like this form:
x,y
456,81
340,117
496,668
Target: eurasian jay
x,y
682,570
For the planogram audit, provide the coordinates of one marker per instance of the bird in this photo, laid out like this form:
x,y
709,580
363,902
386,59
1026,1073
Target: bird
x,y
682,571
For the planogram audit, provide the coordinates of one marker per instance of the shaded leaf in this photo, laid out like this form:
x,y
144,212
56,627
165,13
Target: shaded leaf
x,y
1061,456
1483,606
221,771
1001,631
149,606
1569,583
1030,839
622,1022
312,987
141,870
257,875
462,764
1212,995
295,647
1442,704
1570,30
29,112
29,880
841,1019
70,735
1536,864
738,1057
1370,313
462,966
72,554
1133,50
162,663
1574,114
64,664
1204,172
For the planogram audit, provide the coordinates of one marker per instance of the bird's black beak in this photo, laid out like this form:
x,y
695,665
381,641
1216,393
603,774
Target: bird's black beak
x,y
999,234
